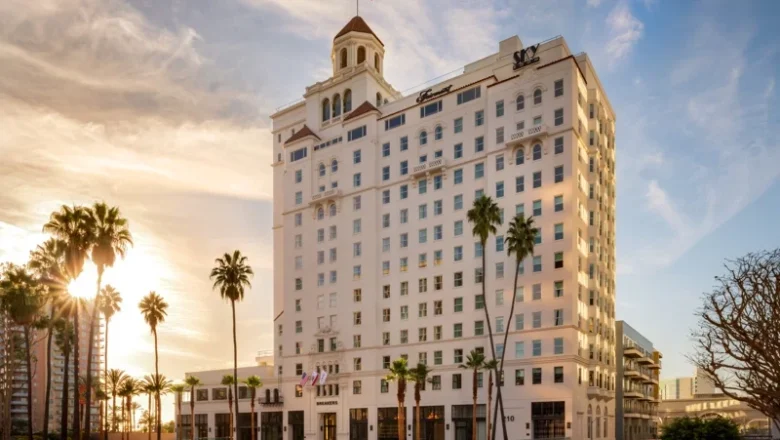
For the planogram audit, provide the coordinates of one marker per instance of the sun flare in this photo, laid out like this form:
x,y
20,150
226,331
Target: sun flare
x,y
86,284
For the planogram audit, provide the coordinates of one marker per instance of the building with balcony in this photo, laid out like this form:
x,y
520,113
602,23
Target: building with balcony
x,y
374,257
639,369
675,388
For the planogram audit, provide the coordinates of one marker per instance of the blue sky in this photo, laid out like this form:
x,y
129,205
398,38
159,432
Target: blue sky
x,y
161,107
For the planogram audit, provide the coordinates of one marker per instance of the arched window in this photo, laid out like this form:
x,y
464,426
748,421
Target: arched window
x,y
519,156
520,102
361,54
537,151
376,62
322,170
343,57
605,423
537,96
332,209
325,109
423,137
334,166
336,105
347,100
598,422
378,99
590,422
320,213
438,132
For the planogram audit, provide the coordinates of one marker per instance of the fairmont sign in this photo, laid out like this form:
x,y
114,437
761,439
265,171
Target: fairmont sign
x,y
525,133
526,56
430,94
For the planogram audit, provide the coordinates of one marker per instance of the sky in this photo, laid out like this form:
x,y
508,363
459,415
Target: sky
x,y
161,107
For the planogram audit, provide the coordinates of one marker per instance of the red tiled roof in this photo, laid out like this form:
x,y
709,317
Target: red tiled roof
x,y
362,109
300,134
357,25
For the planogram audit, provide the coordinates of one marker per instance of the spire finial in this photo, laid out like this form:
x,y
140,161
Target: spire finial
x,y
357,8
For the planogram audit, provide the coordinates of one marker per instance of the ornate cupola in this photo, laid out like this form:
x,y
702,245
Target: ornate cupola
x,y
357,45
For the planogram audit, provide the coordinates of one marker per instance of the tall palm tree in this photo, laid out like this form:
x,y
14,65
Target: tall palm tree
x,y
73,225
155,309
418,375
110,304
130,387
148,388
474,362
192,382
253,383
399,373
159,386
229,381
45,261
21,299
519,242
111,238
485,217
178,389
231,276
490,366
115,378
63,339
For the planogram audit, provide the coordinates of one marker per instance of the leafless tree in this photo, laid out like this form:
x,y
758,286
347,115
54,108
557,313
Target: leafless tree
x,y
738,339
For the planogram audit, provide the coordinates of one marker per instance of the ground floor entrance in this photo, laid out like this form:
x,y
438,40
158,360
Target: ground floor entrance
x,y
328,423
295,420
462,419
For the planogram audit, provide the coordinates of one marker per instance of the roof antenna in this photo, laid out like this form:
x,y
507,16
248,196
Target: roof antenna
x,y
357,8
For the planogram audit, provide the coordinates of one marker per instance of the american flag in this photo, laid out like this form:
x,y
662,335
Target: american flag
x,y
304,378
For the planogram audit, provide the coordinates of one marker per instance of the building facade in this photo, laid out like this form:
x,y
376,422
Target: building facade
x,y
638,395
374,257
688,387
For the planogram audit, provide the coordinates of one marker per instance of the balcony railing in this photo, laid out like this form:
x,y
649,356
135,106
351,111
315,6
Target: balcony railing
x,y
325,195
429,167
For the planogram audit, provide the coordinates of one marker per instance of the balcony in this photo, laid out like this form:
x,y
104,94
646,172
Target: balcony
x,y
429,167
528,134
632,394
644,360
582,246
332,193
582,278
630,373
632,414
632,352
594,392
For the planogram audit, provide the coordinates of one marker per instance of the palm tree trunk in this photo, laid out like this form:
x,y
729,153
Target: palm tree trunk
x,y
400,419
490,331
64,415
490,401
235,357
157,375
230,412
113,412
76,331
9,374
252,404
49,338
503,353
159,417
28,362
149,417
474,409
192,413
105,380
90,349
417,410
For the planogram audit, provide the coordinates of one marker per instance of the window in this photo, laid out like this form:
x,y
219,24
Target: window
x,y
457,304
558,345
519,321
356,272
537,207
404,240
558,260
479,302
458,125
422,285
468,95
422,211
437,257
298,154
558,87
537,179
422,260
356,226
558,202
404,214
422,336
500,135
499,108
403,264
536,347
479,170
456,381
558,317
422,186
520,102
386,149
559,231
437,133
479,118
457,278
458,176
356,180
537,152
558,145
298,219
385,173
430,109
479,144
404,168
394,122
404,288
356,203
536,376
499,189
537,264
422,235
537,320
404,143
404,336
558,117
437,232
520,377
537,96
332,232
299,284
558,291
356,133
479,328
386,315
298,176
457,332
458,151
499,324
298,197
559,174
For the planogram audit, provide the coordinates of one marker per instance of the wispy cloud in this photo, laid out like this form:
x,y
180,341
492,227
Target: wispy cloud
x,y
593,3
624,31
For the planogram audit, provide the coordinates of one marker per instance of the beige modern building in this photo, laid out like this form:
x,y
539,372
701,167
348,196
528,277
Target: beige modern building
x,y
374,257
687,387
638,396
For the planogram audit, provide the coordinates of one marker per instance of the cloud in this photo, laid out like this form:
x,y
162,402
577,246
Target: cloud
x,y
624,31
593,3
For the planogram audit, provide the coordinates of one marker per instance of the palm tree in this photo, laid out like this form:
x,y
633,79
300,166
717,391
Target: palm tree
x,y
486,216
110,304
130,387
45,260
73,225
519,242
21,299
418,375
399,372
159,386
490,366
178,389
154,308
63,339
192,382
229,381
474,362
148,388
253,383
231,276
111,239
115,378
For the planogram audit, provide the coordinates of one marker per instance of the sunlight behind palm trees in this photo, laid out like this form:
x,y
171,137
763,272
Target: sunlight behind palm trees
x,y
84,285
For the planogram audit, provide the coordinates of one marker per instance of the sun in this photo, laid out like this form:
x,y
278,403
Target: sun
x,y
86,284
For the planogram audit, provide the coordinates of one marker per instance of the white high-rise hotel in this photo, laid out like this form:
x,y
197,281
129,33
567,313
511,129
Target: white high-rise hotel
x,y
374,257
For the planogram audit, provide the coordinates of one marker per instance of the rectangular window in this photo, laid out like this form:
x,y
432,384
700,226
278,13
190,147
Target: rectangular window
x,y
386,149
457,279
404,169
559,231
519,350
558,145
479,302
558,86
458,176
537,120
422,211
422,235
479,170
537,208
499,324
536,347
356,133
298,197
437,358
536,374
519,184
479,118
457,304
499,270
430,109
458,202
558,344
422,260
437,207
558,292
403,192
437,182
422,285
500,135
395,121
437,232
385,315
499,189
404,143
356,180
479,328
519,321
404,288
458,150
520,377
558,117
403,264
356,203
385,173
356,272
385,220
404,240
558,374
499,108
298,154
437,257
299,176
468,95
537,320
422,334
404,336
559,174
456,381
458,125
457,332
404,216
558,317
537,179
558,260
558,202
479,144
